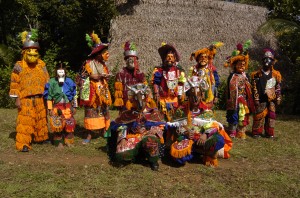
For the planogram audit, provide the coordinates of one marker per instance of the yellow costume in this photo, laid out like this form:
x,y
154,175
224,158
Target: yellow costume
x,y
27,83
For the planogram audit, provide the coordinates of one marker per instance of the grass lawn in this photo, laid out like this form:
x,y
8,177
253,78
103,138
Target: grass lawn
x,y
257,168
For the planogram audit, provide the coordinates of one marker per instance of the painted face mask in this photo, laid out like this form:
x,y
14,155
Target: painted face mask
x,y
268,62
105,55
61,75
203,59
31,56
170,60
130,63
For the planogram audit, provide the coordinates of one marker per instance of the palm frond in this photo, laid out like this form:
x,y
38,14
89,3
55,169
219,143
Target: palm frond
x,y
279,26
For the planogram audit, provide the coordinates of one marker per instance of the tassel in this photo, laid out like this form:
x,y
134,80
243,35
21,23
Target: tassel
x,y
118,102
128,105
118,94
118,86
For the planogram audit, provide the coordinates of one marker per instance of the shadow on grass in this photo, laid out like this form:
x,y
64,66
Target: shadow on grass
x,y
12,135
168,160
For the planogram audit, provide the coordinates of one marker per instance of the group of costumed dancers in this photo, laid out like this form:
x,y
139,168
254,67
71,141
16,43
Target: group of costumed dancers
x,y
171,115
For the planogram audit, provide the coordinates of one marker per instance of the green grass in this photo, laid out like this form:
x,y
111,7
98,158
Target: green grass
x,y
257,168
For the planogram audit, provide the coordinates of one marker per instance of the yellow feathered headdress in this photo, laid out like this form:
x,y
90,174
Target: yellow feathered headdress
x,y
210,51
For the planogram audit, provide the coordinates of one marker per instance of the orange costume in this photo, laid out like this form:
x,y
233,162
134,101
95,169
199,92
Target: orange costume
x,y
94,91
95,111
28,79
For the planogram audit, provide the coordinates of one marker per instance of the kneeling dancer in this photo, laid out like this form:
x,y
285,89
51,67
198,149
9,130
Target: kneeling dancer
x,y
138,130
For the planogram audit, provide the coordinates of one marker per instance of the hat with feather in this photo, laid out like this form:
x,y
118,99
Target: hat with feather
x,y
165,49
30,39
95,43
269,53
210,51
239,54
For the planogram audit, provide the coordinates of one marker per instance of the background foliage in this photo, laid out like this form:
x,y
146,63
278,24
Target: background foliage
x,y
62,26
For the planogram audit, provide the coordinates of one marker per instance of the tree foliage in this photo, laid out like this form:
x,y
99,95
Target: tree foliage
x,y
62,25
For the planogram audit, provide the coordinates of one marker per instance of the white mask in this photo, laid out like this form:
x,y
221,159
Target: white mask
x,y
61,75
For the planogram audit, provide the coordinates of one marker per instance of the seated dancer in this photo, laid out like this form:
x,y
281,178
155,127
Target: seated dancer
x,y
137,130
198,133
60,94
239,102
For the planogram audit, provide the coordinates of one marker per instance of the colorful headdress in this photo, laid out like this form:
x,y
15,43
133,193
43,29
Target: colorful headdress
x,y
30,39
130,49
167,48
95,43
240,54
210,51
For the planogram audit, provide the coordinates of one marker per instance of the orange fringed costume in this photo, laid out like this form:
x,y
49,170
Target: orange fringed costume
x,y
28,83
96,115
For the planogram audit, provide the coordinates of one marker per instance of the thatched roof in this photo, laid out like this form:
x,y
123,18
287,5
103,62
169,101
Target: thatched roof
x,y
188,24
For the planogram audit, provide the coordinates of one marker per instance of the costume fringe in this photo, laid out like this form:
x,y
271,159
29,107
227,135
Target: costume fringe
x,y
56,125
277,75
119,102
182,152
69,140
49,104
151,103
211,161
118,94
69,128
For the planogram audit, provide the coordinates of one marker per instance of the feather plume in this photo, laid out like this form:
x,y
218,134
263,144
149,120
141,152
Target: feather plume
x,y
127,46
23,36
239,47
218,44
95,38
247,45
132,46
34,35
235,53
89,40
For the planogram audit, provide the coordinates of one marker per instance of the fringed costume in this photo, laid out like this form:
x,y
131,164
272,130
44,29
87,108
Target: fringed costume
x,y
27,83
129,75
167,81
217,144
96,97
143,133
137,132
208,85
208,74
267,92
239,103
60,101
